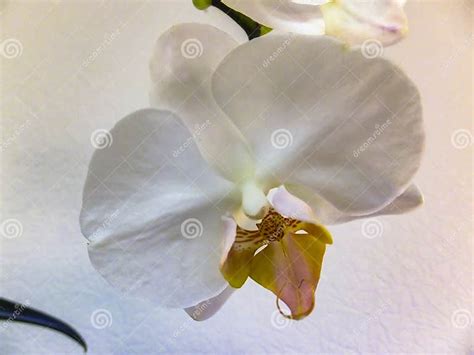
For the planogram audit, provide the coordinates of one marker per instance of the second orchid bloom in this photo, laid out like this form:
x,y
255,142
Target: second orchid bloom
x,y
350,21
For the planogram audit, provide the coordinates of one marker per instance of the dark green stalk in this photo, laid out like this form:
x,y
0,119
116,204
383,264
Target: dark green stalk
x,y
252,28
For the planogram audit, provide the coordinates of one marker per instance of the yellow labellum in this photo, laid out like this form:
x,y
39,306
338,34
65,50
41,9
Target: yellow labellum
x,y
289,264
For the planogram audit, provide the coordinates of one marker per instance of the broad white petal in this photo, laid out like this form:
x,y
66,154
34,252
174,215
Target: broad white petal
x,y
289,205
206,309
347,127
185,56
409,200
327,214
357,21
181,67
152,212
299,16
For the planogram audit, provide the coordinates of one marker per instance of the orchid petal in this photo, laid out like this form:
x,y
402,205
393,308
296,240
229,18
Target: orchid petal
x,y
285,15
291,269
408,201
352,126
206,309
291,206
327,214
357,21
151,212
181,67
352,21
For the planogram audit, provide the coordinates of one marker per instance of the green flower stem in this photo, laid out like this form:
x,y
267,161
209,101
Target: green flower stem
x,y
252,28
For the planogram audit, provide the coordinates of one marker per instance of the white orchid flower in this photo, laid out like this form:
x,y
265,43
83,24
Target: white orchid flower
x,y
352,21
248,152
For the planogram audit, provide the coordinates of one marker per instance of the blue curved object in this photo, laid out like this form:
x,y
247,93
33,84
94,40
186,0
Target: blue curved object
x,y
17,312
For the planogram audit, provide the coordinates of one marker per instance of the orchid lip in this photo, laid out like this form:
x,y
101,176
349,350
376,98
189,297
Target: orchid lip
x,y
279,258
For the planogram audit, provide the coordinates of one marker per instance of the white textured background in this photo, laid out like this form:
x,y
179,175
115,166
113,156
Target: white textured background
x,y
407,291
